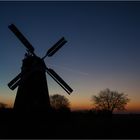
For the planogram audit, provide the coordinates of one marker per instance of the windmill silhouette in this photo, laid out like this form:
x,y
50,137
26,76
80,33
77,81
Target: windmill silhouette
x,y
32,93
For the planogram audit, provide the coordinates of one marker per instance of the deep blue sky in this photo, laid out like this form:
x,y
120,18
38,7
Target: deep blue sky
x,y
103,49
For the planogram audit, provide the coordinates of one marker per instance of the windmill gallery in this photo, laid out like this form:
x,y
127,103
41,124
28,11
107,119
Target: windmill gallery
x,y
32,93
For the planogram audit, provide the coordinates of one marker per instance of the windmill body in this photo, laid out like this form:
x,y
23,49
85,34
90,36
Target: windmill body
x,y
32,93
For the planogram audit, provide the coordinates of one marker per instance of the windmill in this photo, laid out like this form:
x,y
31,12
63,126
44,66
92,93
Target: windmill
x,y
32,93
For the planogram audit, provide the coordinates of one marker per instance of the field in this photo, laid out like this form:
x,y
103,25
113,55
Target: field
x,y
70,125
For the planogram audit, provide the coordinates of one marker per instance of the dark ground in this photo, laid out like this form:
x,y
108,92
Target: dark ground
x,y
71,125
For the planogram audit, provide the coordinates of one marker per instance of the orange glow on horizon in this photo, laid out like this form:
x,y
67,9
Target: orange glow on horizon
x,y
8,102
132,107
80,106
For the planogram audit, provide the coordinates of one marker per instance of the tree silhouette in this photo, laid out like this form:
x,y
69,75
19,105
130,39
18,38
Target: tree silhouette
x,y
108,101
59,103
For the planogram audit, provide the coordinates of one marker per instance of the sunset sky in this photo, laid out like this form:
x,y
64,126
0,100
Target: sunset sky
x,y
103,48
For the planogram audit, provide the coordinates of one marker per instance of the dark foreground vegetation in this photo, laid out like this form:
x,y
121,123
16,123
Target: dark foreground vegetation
x,y
68,125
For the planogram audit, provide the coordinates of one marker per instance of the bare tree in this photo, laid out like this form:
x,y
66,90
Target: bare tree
x,y
110,100
59,103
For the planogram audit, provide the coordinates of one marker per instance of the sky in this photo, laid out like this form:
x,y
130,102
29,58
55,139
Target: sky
x,y
103,48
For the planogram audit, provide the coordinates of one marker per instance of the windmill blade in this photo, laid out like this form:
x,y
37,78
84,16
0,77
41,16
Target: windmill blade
x,y
55,47
15,84
20,36
12,82
59,80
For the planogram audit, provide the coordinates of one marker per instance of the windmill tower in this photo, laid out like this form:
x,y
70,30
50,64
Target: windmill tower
x,y
32,93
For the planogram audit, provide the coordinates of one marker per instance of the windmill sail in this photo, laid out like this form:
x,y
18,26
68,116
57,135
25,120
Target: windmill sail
x,y
20,36
15,84
59,80
55,47
14,81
